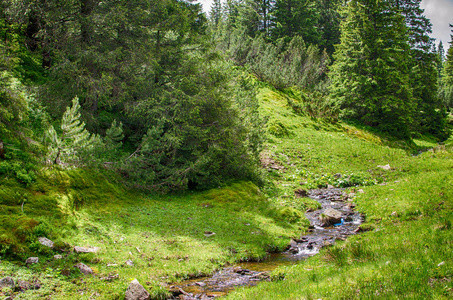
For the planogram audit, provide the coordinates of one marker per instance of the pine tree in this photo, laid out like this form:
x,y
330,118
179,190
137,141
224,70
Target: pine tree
x,y
215,14
446,89
73,138
255,16
329,23
430,115
295,17
370,79
440,58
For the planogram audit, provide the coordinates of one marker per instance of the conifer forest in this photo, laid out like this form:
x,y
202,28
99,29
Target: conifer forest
x,y
256,149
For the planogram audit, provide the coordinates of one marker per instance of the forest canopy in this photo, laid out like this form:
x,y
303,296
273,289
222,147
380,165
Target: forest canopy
x,y
166,95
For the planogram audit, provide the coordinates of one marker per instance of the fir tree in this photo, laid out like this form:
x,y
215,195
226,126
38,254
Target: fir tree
x,y
215,14
430,115
446,89
73,138
295,17
370,79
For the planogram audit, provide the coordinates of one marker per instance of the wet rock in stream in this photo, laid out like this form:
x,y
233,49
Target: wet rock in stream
x,y
321,234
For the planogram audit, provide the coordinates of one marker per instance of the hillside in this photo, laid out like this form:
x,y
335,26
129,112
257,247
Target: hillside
x,y
170,238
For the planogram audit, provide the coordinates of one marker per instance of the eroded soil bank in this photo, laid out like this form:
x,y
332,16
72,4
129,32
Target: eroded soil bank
x,y
334,221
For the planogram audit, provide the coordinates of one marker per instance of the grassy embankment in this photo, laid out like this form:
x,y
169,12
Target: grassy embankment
x,y
398,258
409,252
164,236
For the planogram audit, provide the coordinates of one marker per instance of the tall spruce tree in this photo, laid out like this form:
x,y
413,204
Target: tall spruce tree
x,y
446,89
440,58
255,16
296,17
430,114
215,13
329,23
370,77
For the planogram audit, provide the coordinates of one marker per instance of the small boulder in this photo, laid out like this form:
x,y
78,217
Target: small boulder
x,y
24,285
7,282
330,217
32,260
78,249
136,291
57,257
45,242
386,167
129,263
84,268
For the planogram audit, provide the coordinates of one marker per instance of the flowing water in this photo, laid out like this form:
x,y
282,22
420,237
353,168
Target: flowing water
x,y
320,235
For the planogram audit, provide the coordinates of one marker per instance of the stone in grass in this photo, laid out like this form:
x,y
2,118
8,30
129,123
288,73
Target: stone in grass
x,y
7,282
386,167
78,249
57,257
136,291
84,268
45,242
24,285
32,260
330,217
129,263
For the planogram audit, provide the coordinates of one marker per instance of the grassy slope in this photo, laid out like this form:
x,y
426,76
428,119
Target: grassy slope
x,y
162,235
409,254
399,258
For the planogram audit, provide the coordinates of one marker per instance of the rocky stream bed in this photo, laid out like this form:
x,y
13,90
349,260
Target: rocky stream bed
x,y
334,221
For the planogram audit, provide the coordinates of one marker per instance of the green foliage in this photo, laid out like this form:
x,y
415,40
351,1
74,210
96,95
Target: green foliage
x,y
370,79
204,131
74,138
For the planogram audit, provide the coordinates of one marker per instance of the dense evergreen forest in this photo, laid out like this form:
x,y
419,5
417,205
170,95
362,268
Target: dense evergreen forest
x,y
165,96
127,107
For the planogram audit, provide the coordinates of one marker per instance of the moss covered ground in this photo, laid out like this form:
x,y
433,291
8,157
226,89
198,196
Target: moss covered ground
x,y
408,254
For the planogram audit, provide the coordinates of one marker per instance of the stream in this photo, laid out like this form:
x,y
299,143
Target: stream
x,y
322,232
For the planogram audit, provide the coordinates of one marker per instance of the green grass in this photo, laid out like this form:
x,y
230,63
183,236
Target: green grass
x,y
164,236
409,254
408,208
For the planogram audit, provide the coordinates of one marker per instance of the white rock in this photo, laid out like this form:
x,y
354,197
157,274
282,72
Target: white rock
x,y
45,242
56,257
386,167
129,263
78,249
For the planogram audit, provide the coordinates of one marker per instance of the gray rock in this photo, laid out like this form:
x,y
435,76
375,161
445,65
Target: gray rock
x,y
24,285
45,242
386,167
84,268
7,282
136,291
78,249
32,260
330,216
57,257
129,263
